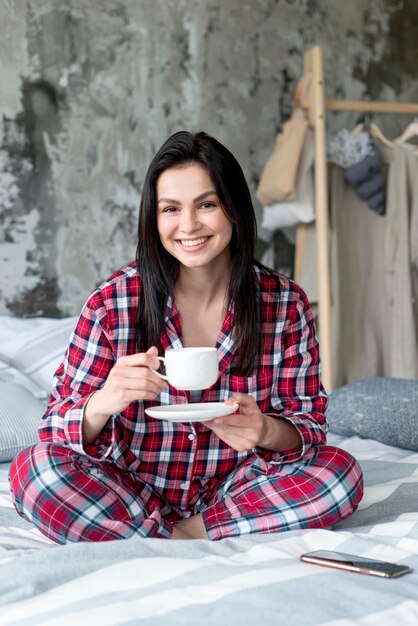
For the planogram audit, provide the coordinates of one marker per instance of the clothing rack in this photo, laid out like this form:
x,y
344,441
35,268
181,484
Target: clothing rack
x,y
316,106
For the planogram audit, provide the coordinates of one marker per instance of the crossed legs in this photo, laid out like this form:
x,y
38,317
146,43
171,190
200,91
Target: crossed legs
x,y
69,498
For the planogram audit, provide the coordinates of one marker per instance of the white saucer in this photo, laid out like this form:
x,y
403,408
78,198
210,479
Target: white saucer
x,y
195,412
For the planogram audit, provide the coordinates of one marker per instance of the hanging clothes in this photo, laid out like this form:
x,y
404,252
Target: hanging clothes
x,y
359,310
413,179
374,274
400,246
362,161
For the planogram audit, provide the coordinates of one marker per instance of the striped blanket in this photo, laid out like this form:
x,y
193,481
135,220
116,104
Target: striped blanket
x,y
249,580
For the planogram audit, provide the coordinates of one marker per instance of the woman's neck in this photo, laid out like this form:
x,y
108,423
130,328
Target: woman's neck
x,y
202,289
202,300
205,284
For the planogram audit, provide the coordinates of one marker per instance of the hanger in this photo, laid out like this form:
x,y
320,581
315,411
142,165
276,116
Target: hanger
x,y
410,131
372,128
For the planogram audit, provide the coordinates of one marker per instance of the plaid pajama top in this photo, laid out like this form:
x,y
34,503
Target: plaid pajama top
x,y
181,461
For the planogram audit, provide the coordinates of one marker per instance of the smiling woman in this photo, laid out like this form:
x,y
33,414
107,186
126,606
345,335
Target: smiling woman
x,y
215,170
105,469
193,228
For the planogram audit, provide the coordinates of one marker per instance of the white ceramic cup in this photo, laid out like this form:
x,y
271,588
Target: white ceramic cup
x,y
190,368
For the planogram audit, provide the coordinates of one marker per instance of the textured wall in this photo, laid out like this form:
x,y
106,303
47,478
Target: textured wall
x,y
89,91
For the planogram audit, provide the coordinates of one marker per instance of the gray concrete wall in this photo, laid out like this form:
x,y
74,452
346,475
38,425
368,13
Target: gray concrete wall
x,y
89,90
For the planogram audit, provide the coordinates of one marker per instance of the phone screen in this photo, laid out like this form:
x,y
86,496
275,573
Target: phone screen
x,y
339,560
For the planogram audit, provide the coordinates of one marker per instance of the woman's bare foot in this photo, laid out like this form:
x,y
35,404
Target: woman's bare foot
x,y
190,528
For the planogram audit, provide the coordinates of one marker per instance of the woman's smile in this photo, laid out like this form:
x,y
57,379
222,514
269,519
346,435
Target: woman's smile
x,y
193,243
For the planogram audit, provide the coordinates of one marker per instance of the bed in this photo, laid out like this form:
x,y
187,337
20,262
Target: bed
x,y
248,580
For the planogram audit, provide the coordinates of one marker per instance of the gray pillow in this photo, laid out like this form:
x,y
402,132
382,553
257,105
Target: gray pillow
x,y
20,414
384,409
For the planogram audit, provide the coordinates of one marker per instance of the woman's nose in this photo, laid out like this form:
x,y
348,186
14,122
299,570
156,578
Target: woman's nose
x,y
189,222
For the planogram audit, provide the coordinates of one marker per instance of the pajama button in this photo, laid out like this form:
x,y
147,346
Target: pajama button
x,y
192,436
184,485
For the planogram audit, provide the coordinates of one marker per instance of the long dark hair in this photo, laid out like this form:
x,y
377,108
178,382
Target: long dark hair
x,y
159,270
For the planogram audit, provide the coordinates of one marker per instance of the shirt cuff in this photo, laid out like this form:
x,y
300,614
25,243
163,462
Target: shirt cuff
x,y
292,454
73,430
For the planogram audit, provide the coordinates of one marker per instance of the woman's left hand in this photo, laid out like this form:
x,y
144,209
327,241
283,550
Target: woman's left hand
x,y
244,430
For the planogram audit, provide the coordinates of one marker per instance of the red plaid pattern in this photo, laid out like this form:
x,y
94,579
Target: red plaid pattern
x,y
186,468
72,498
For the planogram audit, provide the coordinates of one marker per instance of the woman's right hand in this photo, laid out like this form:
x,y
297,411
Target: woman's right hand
x,y
129,380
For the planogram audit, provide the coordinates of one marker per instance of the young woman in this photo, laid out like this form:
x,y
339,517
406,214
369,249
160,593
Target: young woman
x,y
105,470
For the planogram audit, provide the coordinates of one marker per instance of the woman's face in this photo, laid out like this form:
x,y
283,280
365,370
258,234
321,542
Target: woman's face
x,y
191,222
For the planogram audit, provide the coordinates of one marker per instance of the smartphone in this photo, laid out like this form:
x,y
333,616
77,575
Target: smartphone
x,y
353,563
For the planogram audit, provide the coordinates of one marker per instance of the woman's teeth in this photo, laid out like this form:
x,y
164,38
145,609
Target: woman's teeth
x,y
193,242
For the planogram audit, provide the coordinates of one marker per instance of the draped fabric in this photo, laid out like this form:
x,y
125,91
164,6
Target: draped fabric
x,y
374,274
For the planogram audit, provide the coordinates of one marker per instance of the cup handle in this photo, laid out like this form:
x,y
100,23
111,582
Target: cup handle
x,y
162,359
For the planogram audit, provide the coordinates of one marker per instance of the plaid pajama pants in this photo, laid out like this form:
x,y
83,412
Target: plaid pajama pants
x,y
71,498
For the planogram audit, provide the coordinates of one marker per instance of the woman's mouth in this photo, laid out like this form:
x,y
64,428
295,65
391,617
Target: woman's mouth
x,y
190,243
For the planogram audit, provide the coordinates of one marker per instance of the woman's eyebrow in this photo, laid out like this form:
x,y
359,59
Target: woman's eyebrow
x,y
197,199
212,192
169,200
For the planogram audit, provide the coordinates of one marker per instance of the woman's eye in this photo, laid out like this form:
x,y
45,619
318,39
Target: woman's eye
x,y
169,209
208,205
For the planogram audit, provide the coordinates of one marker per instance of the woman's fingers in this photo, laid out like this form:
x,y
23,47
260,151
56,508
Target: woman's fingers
x,y
119,386
139,359
131,379
135,379
136,373
243,430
